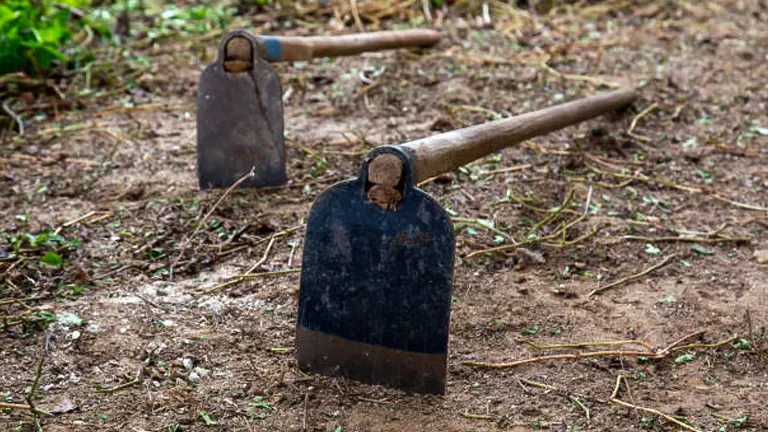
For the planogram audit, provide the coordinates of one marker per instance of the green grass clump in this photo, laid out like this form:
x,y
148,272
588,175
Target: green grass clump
x,y
35,36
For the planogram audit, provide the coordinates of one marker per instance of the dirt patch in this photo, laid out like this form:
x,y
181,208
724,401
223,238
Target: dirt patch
x,y
693,167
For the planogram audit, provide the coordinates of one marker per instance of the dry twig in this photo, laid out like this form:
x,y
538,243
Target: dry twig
x,y
616,400
199,226
650,354
640,115
647,271
131,383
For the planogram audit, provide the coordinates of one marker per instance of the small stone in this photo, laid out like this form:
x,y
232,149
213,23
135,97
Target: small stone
x,y
761,256
188,362
75,335
194,377
201,372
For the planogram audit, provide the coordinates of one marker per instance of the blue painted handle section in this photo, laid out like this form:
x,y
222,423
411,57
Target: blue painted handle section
x,y
272,50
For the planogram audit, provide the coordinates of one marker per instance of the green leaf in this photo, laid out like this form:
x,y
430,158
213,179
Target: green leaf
x,y
52,259
651,249
208,421
741,420
685,358
706,175
761,130
72,319
742,344
262,405
485,223
701,250
46,316
669,299
532,330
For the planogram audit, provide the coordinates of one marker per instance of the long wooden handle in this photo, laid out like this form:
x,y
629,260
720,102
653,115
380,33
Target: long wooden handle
x,y
293,48
445,152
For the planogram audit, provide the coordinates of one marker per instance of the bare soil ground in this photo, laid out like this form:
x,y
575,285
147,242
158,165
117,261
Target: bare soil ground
x,y
684,185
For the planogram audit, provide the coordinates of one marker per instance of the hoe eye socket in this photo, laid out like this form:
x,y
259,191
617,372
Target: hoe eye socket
x,y
239,48
384,184
238,55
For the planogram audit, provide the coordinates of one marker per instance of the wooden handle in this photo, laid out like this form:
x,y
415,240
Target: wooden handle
x,y
445,152
292,48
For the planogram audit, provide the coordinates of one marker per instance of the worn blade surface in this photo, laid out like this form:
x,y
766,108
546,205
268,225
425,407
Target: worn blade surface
x,y
240,126
375,294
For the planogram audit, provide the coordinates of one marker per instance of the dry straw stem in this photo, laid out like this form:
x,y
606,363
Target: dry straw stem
x,y
5,405
249,274
573,397
577,401
650,354
571,77
640,115
703,345
476,416
86,216
8,270
242,277
120,109
60,130
15,117
25,299
587,345
200,225
479,224
616,400
131,383
643,178
645,272
689,239
508,169
268,274
510,365
356,15
522,202
561,233
33,389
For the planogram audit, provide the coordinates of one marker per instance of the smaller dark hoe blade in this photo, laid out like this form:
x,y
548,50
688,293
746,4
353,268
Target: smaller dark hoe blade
x,y
240,121
375,293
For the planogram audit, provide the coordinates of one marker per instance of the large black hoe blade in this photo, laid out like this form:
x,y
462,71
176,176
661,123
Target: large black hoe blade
x,y
375,294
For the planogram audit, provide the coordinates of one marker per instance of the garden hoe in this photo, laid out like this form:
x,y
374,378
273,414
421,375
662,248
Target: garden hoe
x,y
240,107
375,290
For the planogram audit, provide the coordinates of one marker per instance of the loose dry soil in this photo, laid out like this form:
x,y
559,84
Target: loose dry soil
x,y
693,167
